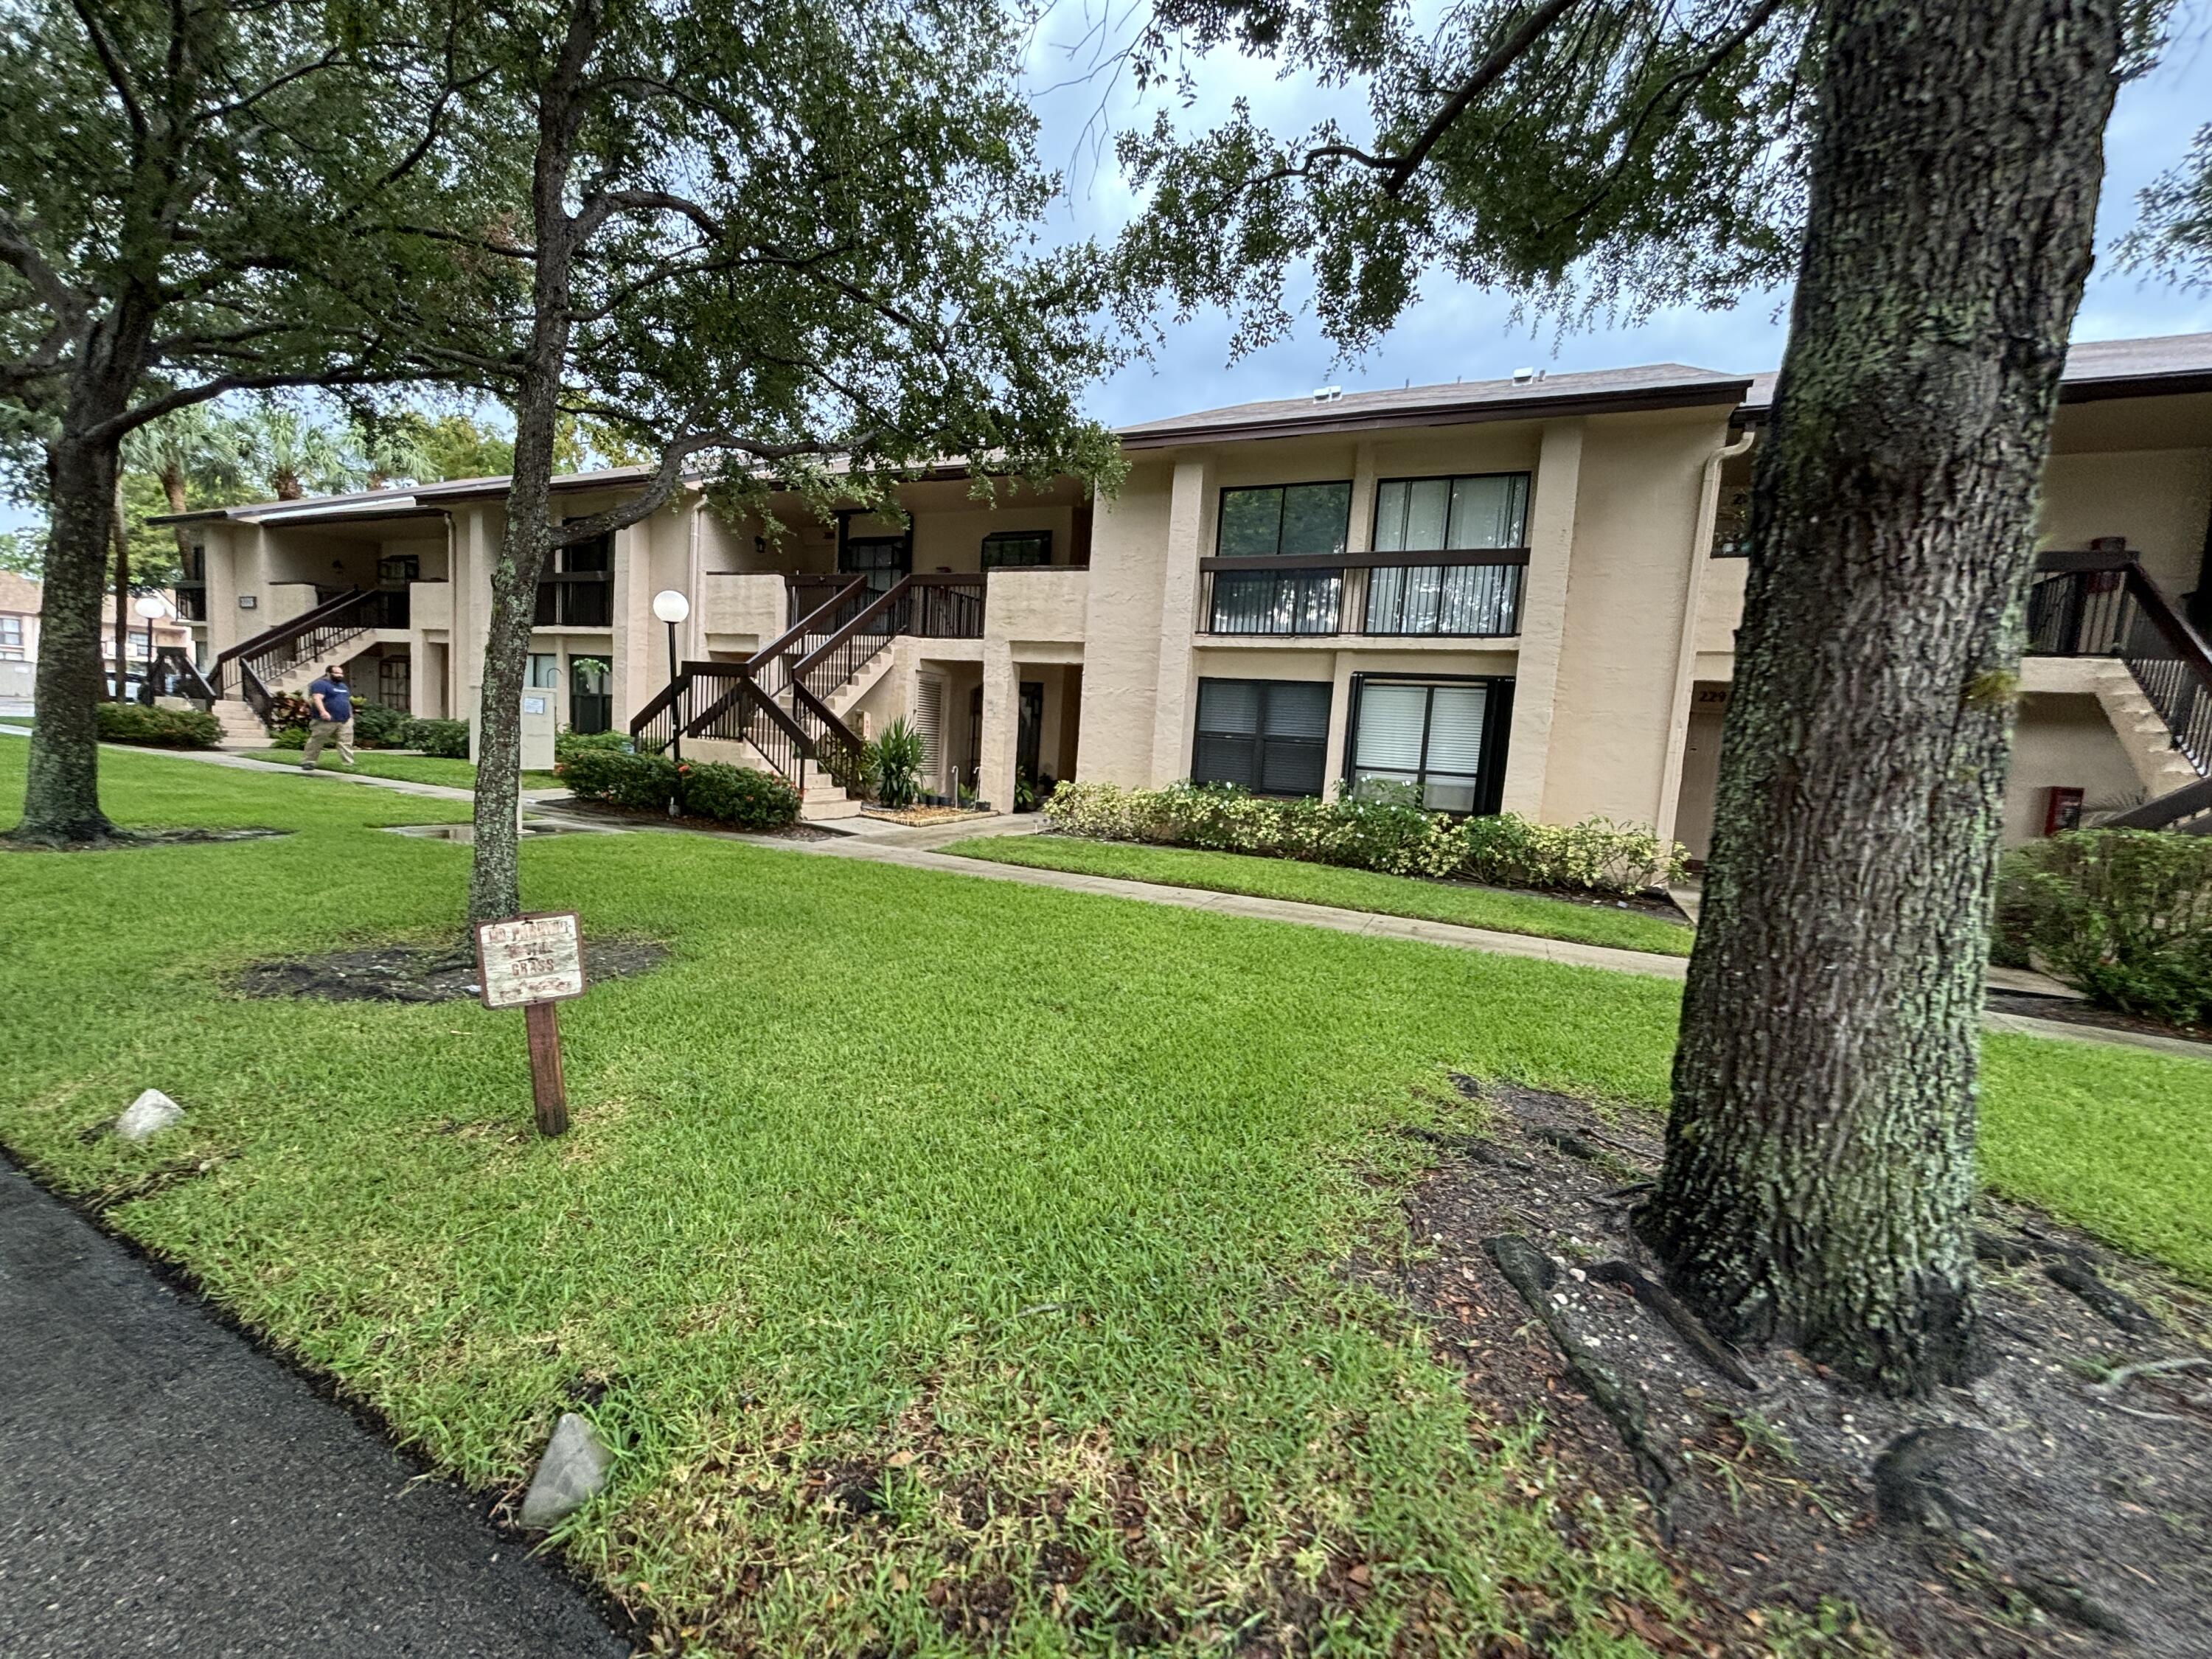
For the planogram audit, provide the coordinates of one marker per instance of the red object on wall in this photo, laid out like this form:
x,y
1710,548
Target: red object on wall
x,y
2062,809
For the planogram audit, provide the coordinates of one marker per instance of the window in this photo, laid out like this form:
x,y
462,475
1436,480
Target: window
x,y
1442,515
545,671
1732,523
1267,735
1445,739
11,632
1016,548
578,590
1284,520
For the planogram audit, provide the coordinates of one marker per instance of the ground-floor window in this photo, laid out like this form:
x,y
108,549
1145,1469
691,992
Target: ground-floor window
x,y
1268,736
545,670
1444,739
590,699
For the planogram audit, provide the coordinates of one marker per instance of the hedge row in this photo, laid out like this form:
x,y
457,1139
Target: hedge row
x,y
735,795
1380,829
157,728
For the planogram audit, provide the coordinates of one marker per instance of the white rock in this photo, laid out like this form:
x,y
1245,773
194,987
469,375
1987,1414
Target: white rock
x,y
147,1115
574,1467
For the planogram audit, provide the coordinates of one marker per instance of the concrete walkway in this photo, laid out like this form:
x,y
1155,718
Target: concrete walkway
x,y
915,848
167,1488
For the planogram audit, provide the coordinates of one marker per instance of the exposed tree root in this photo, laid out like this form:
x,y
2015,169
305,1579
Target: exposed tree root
x,y
1676,1312
2101,1299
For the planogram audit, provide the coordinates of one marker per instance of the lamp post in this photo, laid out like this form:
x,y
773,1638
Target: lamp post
x,y
672,607
148,606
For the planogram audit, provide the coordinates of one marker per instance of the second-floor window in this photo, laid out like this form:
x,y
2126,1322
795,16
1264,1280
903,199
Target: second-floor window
x,y
1284,520
578,591
1017,549
1450,515
11,632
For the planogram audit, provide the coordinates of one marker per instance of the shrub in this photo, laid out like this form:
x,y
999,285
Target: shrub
x,y
157,728
448,739
376,726
1378,828
737,795
893,764
644,782
289,736
567,743
2124,916
289,713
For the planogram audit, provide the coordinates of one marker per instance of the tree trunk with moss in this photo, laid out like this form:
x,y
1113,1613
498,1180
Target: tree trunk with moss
x,y
1820,1158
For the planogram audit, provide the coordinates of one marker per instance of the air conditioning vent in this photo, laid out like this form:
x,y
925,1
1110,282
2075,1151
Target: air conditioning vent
x,y
1328,394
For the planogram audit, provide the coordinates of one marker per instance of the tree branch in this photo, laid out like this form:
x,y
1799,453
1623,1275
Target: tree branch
x,y
1509,52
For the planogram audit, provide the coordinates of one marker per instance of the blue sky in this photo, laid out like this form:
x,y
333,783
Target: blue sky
x,y
1456,333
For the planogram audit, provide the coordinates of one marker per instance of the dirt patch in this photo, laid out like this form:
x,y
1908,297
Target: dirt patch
x,y
2059,1501
578,807
123,841
2067,1011
420,973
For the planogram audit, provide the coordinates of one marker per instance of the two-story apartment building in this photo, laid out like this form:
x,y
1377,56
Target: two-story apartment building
x,y
1515,594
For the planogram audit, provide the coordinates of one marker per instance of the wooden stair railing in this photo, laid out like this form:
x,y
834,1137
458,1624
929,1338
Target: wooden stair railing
x,y
2188,810
2106,604
172,673
270,652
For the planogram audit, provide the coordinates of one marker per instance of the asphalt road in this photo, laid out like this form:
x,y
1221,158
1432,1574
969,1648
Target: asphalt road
x,y
166,1488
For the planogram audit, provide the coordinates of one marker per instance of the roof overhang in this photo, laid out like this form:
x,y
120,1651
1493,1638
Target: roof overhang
x,y
1535,406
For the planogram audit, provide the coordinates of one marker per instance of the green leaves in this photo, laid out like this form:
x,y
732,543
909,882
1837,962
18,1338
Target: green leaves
x,y
1603,157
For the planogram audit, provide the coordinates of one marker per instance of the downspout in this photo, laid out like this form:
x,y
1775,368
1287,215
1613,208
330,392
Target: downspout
x,y
695,584
1686,648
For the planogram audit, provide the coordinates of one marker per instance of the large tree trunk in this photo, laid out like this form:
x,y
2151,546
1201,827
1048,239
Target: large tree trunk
x,y
61,793
1819,1159
118,530
495,874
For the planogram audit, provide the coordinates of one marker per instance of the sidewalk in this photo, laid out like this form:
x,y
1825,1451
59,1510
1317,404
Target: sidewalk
x,y
914,848
167,1488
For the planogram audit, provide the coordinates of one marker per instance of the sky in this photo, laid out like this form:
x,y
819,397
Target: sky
x,y
1455,333
1463,333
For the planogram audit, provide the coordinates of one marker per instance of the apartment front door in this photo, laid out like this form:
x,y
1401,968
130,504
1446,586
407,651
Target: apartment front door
x,y
1029,741
882,559
590,699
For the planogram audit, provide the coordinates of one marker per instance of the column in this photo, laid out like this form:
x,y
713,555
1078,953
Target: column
x,y
1190,539
1001,733
1543,616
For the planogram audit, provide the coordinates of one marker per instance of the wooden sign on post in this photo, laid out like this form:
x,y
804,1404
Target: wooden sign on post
x,y
532,963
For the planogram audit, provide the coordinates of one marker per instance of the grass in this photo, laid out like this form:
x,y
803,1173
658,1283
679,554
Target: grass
x,y
385,763
919,1235
1350,890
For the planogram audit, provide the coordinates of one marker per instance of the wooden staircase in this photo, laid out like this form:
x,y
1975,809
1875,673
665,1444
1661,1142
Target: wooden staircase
x,y
285,660
2151,673
784,707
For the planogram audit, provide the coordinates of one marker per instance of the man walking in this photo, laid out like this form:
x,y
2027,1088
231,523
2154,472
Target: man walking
x,y
333,706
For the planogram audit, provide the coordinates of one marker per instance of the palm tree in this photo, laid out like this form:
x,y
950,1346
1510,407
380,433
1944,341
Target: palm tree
x,y
292,455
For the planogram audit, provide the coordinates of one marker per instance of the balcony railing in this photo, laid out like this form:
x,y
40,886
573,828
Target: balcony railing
x,y
2104,604
1470,594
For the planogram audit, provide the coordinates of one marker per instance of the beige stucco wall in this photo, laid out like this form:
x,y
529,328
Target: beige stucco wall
x,y
1122,626
2157,499
1642,478
2066,741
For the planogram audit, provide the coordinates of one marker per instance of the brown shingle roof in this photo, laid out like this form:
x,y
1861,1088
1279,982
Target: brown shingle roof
x,y
1653,385
2160,364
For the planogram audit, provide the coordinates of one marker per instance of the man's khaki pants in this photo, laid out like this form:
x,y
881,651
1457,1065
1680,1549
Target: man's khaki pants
x,y
320,732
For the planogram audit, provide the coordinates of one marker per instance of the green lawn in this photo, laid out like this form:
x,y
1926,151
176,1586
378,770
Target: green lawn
x,y
1349,890
1018,1211
383,764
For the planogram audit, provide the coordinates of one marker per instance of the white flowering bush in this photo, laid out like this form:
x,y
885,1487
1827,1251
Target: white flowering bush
x,y
1380,828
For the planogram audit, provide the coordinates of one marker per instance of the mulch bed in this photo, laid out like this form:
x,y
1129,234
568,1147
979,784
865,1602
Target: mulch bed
x,y
577,806
2067,1010
2061,1504
123,841
918,815
420,973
